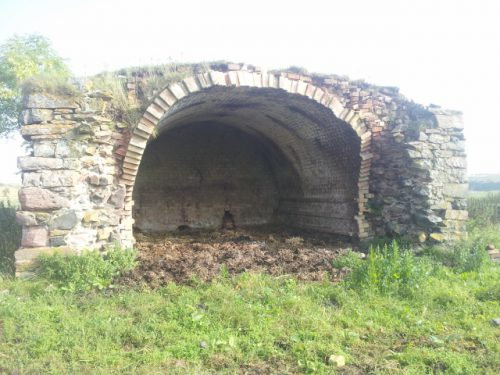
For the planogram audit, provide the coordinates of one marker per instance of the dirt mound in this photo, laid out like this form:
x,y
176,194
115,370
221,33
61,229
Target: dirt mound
x,y
206,255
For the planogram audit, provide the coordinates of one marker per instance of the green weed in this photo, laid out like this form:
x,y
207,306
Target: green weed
x,y
76,273
390,270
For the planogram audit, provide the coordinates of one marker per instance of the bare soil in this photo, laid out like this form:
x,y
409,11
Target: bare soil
x,y
185,256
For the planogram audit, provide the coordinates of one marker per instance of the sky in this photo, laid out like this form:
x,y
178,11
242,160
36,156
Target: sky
x,y
444,52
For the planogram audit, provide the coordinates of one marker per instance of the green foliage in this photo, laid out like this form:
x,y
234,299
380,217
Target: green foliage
x,y
10,238
463,256
21,58
389,270
349,259
86,271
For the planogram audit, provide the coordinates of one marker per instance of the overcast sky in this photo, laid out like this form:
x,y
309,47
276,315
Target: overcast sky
x,y
445,52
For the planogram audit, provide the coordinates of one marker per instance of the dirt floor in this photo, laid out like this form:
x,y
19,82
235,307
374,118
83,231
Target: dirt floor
x,y
205,255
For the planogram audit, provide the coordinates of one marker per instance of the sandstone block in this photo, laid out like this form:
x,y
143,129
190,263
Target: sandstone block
x,y
33,163
42,149
32,178
438,237
65,220
45,129
62,149
91,216
26,218
456,214
104,234
35,198
36,116
447,119
36,236
456,190
59,178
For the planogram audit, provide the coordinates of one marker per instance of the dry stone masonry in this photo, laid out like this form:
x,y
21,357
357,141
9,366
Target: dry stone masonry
x,y
321,153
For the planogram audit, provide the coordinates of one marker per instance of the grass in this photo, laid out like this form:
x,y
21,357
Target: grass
x,y
396,313
253,322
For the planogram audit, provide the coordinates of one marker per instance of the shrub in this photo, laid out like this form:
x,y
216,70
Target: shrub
x,y
86,271
389,270
10,238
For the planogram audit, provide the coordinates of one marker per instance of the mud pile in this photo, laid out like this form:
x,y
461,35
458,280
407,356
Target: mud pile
x,y
184,256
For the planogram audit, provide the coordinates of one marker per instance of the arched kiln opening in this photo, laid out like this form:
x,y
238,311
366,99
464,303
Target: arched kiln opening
x,y
250,155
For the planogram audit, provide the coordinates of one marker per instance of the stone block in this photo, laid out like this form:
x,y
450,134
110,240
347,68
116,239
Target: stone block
x,y
35,198
91,216
36,116
456,190
57,241
64,220
104,234
117,199
447,119
42,149
438,237
456,214
45,129
35,236
100,180
33,163
32,178
26,218
59,178
62,149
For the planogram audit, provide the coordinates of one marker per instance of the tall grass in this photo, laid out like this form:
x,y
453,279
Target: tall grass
x,y
484,210
10,238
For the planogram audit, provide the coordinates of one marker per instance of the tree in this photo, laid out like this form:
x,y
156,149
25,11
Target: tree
x,y
23,57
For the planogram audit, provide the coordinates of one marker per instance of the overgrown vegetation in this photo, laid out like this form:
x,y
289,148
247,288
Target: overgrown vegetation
x,y
10,238
90,270
24,58
398,312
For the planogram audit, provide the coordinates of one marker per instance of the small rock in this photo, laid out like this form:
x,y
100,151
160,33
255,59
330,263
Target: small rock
x,y
336,360
438,237
490,247
422,237
496,321
203,345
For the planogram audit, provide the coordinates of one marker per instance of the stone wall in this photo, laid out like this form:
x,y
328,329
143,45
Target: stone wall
x,y
358,159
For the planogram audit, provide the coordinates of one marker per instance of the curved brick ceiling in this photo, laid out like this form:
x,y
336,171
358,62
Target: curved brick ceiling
x,y
323,150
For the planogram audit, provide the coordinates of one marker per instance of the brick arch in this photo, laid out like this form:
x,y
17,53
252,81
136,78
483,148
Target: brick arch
x,y
170,95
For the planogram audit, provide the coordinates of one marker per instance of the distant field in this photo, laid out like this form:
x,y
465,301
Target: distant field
x,y
481,194
8,194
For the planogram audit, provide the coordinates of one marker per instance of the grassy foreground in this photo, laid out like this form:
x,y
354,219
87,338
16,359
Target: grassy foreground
x,y
259,324
397,313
